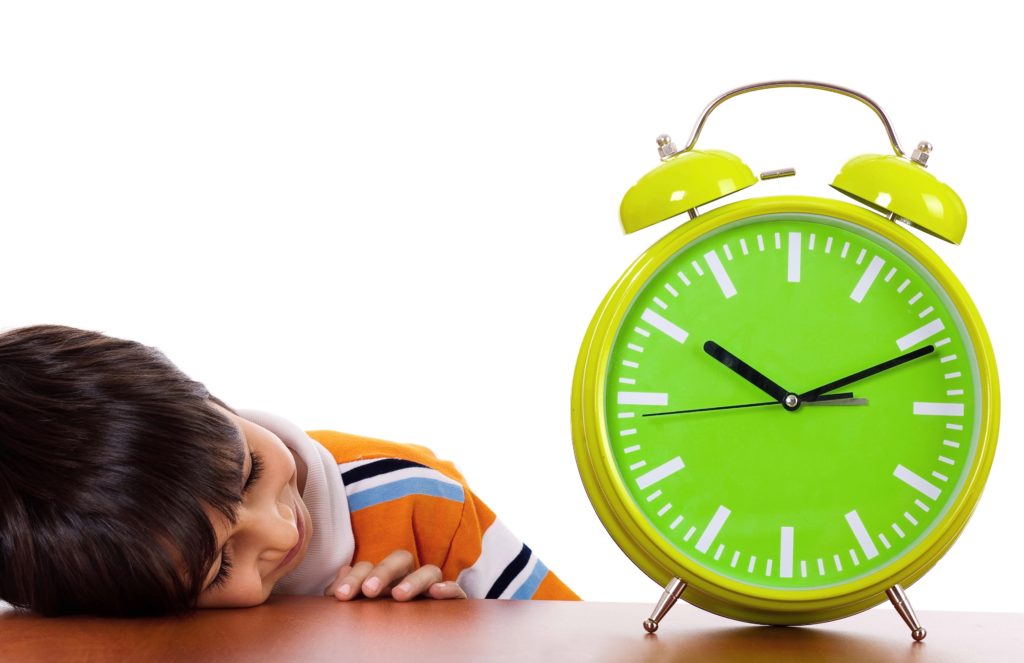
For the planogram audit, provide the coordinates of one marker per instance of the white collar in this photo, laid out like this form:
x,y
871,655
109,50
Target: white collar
x,y
332,544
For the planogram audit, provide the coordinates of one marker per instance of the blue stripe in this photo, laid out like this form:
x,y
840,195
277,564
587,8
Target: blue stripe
x,y
528,588
404,488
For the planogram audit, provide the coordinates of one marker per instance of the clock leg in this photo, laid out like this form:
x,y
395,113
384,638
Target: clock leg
x,y
902,604
668,599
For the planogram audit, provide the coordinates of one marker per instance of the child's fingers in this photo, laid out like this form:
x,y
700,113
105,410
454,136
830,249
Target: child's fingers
x,y
446,590
338,578
395,566
351,583
416,583
395,569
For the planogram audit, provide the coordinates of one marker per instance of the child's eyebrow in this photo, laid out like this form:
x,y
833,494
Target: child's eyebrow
x,y
244,452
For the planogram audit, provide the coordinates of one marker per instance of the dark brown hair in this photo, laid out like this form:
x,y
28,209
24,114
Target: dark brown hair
x,y
108,454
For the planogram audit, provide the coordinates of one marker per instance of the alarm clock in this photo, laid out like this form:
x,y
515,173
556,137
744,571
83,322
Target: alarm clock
x,y
785,410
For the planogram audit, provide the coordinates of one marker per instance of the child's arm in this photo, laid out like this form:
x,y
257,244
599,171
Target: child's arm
x,y
402,497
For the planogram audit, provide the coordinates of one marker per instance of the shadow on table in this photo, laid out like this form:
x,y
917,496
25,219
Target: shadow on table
x,y
768,644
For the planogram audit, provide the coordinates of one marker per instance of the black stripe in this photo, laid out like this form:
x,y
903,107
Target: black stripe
x,y
514,568
377,467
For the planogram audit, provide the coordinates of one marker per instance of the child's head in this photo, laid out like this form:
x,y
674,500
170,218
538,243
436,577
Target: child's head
x,y
113,463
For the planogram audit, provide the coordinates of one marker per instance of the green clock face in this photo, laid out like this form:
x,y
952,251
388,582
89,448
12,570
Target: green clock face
x,y
850,478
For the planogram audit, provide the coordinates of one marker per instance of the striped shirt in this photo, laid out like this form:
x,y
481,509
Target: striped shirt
x,y
402,497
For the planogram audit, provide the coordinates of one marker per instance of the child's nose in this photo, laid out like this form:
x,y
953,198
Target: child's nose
x,y
275,528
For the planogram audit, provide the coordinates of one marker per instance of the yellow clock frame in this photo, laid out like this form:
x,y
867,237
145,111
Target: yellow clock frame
x,y
630,528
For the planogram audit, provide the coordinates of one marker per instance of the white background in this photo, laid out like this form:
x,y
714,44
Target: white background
x,y
396,219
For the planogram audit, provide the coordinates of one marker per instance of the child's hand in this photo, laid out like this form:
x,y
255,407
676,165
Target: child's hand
x,y
396,572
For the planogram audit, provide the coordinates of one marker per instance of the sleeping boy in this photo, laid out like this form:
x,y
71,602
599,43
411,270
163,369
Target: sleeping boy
x,y
127,489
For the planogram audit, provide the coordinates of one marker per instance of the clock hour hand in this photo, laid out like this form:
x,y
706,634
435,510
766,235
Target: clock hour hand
x,y
845,398
841,399
814,394
746,371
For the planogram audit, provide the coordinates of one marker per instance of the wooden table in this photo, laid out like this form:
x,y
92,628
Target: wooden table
x,y
314,629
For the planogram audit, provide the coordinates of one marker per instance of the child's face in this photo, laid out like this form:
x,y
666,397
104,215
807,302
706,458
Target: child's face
x,y
273,528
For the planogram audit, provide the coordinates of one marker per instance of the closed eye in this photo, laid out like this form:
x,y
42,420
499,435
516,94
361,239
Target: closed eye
x,y
224,572
254,473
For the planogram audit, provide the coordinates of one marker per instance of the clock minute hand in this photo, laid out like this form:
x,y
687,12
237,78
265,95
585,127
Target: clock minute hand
x,y
746,371
867,372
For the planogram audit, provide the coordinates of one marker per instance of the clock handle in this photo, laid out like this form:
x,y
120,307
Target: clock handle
x,y
853,94
668,599
902,604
